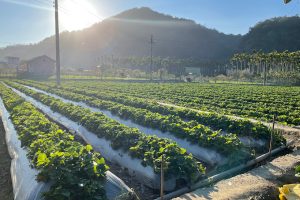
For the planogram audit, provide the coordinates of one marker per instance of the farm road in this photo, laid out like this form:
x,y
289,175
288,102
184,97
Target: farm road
x,y
260,183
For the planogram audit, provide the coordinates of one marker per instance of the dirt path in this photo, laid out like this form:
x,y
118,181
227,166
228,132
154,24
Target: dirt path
x,y
6,192
258,184
277,126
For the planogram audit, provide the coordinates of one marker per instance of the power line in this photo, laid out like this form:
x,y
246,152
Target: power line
x,y
51,5
88,10
26,4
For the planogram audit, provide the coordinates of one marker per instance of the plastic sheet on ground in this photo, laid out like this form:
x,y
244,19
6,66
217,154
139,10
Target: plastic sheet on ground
x,y
25,186
249,141
209,156
145,175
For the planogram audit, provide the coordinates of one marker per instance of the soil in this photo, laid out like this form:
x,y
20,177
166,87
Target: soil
x,y
6,192
143,192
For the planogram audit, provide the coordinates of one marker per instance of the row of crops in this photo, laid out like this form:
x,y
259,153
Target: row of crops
x,y
60,159
147,149
183,136
215,131
242,100
205,129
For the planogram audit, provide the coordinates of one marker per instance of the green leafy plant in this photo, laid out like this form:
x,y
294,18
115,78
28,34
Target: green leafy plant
x,y
123,137
243,100
297,170
153,115
74,170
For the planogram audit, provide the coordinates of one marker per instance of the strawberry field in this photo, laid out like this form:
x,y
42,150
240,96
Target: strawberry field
x,y
250,101
136,130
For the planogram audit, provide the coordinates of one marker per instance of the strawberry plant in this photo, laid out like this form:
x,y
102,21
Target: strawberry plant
x,y
121,136
153,115
74,170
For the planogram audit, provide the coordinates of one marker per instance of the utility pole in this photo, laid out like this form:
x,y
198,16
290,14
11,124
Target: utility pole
x,y
265,74
151,52
57,44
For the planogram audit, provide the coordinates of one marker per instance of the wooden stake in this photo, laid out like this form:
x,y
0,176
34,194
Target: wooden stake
x,y
273,129
162,177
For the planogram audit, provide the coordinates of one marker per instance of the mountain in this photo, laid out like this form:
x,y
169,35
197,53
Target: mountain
x,y
128,34
281,33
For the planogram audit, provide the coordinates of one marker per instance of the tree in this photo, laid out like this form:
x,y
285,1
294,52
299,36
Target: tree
x,y
287,1
279,65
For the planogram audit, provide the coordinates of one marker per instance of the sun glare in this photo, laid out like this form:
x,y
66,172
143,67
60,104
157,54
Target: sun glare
x,y
77,14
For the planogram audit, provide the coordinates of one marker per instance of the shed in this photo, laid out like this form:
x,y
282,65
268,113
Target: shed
x,y
41,66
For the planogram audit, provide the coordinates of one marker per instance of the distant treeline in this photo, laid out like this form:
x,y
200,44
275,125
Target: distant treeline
x,y
277,65
171,65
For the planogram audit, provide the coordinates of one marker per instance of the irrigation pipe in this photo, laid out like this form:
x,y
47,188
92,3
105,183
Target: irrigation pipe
x,y
225,174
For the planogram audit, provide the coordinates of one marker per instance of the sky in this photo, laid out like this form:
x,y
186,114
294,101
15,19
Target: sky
x,y
30,21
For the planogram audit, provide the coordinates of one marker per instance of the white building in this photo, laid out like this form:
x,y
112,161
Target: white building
x,y
193,70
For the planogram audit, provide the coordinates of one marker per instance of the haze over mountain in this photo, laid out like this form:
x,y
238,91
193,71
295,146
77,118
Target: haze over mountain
x,y
128,34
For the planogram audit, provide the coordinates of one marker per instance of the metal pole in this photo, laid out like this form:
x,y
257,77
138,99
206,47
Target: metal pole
x,y
57,44
265,74
151,42
162,178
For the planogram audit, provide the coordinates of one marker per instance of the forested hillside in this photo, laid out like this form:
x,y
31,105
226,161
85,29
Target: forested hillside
x,y
128,35
282,33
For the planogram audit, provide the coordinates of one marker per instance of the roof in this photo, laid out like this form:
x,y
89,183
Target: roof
x,y
14,57
43,56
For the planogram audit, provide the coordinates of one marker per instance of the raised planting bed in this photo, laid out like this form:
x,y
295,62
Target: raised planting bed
x,y
130,144
47,160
